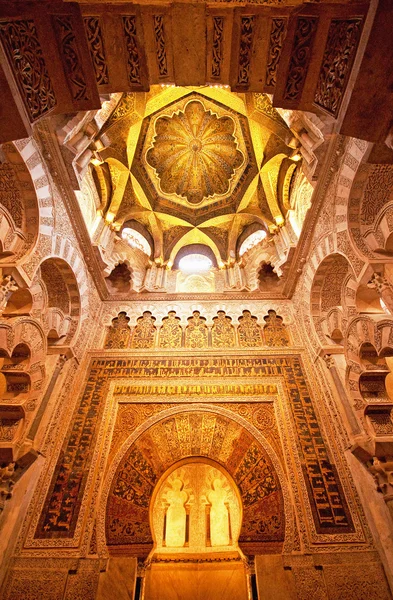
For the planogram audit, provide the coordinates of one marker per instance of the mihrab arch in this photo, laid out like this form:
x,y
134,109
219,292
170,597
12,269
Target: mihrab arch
x,y
195,432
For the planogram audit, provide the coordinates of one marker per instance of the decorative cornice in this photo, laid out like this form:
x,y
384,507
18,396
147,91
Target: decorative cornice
x,y
154,296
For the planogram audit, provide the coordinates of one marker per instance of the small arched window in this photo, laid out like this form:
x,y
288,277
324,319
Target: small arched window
x,y
252,240
136,240
195,263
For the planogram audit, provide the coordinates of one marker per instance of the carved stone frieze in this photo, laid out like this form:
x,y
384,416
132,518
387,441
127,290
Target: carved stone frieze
x,y
217,49
337,62
97,49
133,60
71,57
306,29
277,36
159,34
245,49
24,52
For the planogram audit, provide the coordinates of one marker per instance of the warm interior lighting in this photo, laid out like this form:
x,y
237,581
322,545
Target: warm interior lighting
x,y
135,240
195,263
296,156
252,241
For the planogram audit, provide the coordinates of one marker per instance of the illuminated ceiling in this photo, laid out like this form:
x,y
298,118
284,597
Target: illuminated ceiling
x,y
194,166
196,154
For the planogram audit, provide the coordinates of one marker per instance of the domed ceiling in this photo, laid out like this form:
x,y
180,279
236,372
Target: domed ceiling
x,y
194,157
193,167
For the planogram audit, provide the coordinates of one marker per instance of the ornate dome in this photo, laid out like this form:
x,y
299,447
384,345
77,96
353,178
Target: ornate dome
x,y
195,153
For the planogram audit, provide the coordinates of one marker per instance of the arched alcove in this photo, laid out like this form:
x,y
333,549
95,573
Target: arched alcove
x,y
18,207
332,295
120,279
61,299
162,446
267,277
195,508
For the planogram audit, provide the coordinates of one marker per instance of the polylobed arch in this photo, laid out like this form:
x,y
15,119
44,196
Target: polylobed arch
x,y
61,300
265,510
119,281
23,349
332,296
19,208
368,342
370,208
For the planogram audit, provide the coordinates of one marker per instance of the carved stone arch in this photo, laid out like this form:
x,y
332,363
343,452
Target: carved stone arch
x,y
332,297
147,446
384,232
62,249
61,301
135,225
19,208
246,232
335,325
22,351
256,256
366,335
133,257
119,332
370,210
24,330
113,312
275,333
119,281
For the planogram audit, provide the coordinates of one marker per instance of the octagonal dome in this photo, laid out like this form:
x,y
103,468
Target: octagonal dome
x,y
194,156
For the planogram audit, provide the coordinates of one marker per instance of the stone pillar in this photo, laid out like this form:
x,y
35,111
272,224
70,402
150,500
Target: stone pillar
x,y
155,278
379,283
235,278
351,418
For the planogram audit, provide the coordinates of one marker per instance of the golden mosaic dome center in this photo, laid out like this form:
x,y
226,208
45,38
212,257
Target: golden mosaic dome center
x,y
194,153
